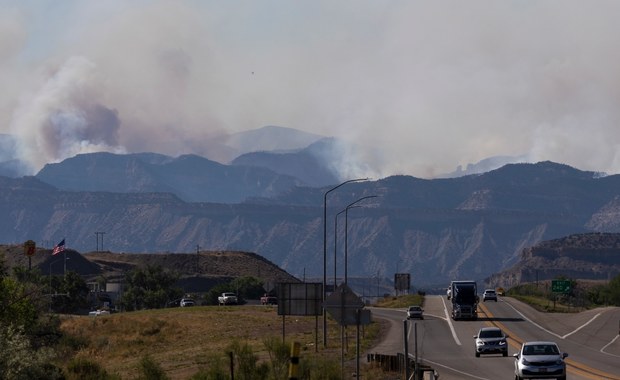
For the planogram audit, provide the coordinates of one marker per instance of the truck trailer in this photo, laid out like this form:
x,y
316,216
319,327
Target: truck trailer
x,y
464,298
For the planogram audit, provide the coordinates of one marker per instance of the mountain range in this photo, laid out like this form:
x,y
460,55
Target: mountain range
x,y
434,229
267,194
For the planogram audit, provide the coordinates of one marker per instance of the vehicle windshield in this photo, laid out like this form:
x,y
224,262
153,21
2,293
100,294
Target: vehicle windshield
x,y
540,349
491,334
465,294
414,308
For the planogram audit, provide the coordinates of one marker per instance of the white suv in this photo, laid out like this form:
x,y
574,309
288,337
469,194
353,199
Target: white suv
x,y
415,312
540,360
489,295
185,302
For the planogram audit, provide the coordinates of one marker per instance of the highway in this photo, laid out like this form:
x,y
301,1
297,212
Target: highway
x,y
590,338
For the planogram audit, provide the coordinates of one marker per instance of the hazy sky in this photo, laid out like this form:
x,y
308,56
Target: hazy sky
x,y
419,86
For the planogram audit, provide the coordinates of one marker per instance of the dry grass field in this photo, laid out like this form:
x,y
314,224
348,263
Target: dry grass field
x,y
184,340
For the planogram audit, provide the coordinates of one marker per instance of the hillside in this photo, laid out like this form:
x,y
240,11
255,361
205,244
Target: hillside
x,y
198,271
591,256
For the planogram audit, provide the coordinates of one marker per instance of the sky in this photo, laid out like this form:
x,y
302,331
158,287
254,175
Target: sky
x,y
417,87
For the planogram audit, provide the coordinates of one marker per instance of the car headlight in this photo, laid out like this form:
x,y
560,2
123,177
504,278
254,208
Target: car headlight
x,y
502,342
525,362
559,362
479,343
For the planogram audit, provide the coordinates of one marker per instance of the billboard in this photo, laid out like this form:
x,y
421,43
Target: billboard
x,y
402,282
300,298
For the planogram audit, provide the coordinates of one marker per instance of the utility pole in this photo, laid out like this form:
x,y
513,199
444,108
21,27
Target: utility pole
x,y
197,258
97,235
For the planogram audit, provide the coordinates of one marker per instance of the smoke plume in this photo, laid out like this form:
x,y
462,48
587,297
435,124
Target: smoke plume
x,y
417,87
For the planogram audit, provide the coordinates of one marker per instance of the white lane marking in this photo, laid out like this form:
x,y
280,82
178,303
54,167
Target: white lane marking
x,y
551,332
455,370
582,326
609,344
602,350
449,320
532,322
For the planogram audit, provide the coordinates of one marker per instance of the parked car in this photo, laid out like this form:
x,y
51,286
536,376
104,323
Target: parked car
x,y
96,313
415,312
491,340
175,303
186,302
489,295
540,360
267,299
228,298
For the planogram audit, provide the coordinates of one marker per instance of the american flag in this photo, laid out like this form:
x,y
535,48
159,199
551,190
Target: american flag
x,y
59,247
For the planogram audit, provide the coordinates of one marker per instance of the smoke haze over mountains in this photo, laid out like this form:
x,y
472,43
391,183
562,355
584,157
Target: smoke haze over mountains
x,y
413,87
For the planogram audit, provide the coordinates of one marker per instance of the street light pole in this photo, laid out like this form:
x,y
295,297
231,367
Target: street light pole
x,y
325,250
336,246
346,234
336,243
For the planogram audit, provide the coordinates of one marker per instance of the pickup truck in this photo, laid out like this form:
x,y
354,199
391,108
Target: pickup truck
x,y
227,299
267,299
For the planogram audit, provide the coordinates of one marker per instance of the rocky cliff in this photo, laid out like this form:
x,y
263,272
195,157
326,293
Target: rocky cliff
x,y
436,230
590,256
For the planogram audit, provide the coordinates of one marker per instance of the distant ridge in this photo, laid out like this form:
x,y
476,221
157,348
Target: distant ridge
x,y
192,178
436,230
589,256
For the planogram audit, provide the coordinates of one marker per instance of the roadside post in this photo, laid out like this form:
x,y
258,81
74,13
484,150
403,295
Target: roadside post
x,y
30,248
293,368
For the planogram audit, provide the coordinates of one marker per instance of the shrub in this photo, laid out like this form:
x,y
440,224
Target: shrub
x,y
84,369
279,357
18,359
151,370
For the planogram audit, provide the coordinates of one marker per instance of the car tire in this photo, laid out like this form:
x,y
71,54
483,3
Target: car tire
x,y
477,354
504,354
562,378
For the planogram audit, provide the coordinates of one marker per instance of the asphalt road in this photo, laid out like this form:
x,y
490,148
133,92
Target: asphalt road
x,y
590,338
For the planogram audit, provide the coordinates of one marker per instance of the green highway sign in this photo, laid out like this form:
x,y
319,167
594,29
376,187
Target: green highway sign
x,y
560,286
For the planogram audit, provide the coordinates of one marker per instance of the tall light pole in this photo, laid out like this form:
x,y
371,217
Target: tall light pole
x,y
346,234
325,250
98,234
336,243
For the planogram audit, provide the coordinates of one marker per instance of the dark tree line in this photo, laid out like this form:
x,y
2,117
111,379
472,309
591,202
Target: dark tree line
x,y
151,287
28,334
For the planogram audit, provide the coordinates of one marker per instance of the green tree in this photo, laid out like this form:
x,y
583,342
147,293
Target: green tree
x,y
21,302
245,288
151,287
248,287
613,291
26,334
69,293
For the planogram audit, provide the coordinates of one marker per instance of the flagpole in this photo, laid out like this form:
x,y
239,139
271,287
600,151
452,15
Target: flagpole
x,y
64,251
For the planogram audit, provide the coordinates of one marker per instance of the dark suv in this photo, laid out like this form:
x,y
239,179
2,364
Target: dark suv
x,y
491,340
